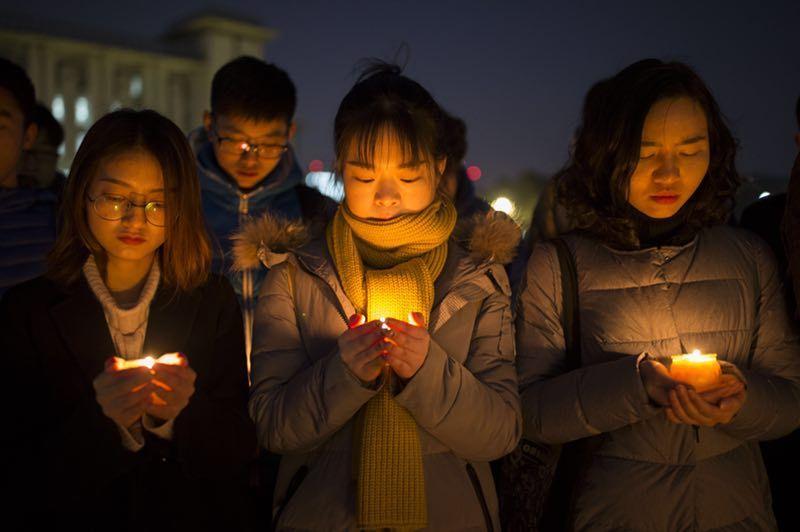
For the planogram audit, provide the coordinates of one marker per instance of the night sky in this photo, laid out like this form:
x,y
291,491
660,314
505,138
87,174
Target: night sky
x,y
515,71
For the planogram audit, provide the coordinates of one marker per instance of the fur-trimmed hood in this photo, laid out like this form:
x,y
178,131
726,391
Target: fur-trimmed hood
x,y
490,237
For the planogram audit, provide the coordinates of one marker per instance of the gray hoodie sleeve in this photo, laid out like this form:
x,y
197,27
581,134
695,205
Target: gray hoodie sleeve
x,y
560,406
473,408
296,401
772,403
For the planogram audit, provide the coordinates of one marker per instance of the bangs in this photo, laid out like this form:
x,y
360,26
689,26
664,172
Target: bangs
x,y
364,137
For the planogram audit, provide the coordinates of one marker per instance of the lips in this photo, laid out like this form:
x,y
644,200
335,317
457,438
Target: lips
x,y
131,240
247,174
665,199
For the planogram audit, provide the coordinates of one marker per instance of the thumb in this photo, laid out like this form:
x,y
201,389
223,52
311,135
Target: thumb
x,y
356,320
416,318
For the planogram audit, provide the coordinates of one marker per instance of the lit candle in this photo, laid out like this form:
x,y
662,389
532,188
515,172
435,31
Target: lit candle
x,y
384,327
701,371
172,359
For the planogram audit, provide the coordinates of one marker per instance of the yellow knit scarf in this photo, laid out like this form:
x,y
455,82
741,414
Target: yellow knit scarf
x,y
387,269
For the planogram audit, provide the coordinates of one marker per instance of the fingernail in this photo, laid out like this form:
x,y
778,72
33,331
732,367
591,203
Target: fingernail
x,y
356,320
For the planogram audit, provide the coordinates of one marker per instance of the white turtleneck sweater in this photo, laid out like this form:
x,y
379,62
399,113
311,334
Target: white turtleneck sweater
x,y
127,325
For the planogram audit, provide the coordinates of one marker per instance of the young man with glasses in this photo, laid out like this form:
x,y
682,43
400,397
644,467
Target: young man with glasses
x,y
247,166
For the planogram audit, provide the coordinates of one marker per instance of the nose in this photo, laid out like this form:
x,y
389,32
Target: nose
x,y
249,154
134,216
667,171
387,196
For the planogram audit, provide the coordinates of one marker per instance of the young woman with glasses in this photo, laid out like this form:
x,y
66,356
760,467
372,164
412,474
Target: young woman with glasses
x,y
99,438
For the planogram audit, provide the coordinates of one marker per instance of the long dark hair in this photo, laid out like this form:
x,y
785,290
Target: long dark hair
x,y
383,98
593,186
185,256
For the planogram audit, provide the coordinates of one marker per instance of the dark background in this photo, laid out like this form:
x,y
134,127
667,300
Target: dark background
x,y
515,71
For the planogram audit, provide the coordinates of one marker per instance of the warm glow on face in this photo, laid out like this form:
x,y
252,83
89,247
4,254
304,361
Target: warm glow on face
x,y
673,158
392,184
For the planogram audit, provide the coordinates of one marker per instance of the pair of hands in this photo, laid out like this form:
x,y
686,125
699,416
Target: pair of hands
x,y
682,404
125,395
366,348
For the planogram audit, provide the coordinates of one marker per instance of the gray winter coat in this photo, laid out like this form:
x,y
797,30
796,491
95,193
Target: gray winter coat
x,y
464,397
721,294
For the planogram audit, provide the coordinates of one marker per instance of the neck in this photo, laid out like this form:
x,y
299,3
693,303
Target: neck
x,y
125,278
655,232
10,180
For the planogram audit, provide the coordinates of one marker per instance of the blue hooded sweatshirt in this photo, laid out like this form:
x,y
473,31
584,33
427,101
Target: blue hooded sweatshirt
x,y
226,208
27,232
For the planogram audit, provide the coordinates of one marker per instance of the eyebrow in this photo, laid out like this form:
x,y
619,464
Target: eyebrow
x,y
126,185
689,140
5,113
404,166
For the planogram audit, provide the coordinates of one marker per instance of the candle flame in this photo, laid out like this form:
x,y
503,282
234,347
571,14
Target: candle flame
x,y
148,362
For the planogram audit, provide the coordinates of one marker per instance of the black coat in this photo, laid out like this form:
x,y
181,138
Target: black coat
x,y
66,460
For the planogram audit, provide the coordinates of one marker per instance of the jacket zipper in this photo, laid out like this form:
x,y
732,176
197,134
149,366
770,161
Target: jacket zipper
x,y
476,484
247,286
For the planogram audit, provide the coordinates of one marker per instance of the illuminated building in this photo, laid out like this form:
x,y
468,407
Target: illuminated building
x,y
81,78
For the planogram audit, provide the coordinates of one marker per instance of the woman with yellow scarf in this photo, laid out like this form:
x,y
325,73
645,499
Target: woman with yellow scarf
x,y
383,355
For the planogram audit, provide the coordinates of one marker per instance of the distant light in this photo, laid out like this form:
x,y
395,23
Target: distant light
x,y
82,110
327,184
474,173
503,204
79,139
316,166
763,195
58,107
135,86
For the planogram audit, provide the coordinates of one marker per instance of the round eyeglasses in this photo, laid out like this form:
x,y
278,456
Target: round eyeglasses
x,y
112,207
232,146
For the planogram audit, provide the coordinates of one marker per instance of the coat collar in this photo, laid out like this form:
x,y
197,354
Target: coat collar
x,y
462,280
82,324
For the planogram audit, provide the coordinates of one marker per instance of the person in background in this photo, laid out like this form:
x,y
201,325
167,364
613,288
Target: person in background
x,y
93,443
455,183
27,213
385,425
247,165
40,161
659,273
780,456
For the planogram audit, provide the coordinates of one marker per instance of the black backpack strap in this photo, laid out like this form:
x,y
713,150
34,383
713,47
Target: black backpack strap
x,y
571,315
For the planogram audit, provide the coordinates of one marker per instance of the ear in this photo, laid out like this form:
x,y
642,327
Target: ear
x,y
292,131
208,121
29,137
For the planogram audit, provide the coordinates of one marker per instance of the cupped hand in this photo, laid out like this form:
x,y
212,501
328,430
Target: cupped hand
x,y
123,394
173,387
361,348
410,342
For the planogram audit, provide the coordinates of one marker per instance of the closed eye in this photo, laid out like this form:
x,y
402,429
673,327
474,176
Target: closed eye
x,y
364,179
412,180
643,157
690,154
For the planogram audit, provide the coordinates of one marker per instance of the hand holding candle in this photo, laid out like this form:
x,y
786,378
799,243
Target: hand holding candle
x,y
706,397
123,393
410,343
174,385
361,348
